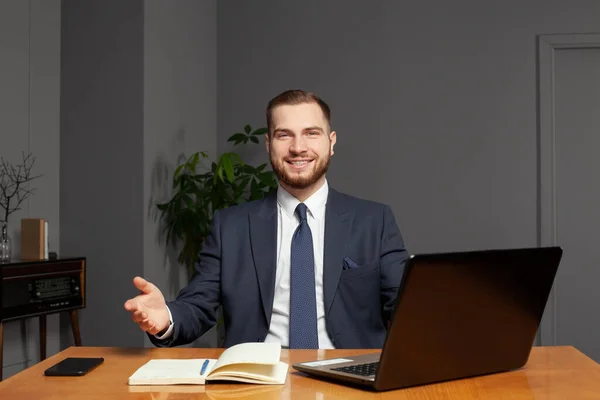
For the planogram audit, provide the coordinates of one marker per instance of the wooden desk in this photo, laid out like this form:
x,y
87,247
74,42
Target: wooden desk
x,y
551,373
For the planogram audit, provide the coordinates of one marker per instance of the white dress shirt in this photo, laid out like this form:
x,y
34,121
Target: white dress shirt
x,y
287,222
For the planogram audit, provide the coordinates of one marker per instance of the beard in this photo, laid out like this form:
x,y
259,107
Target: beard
x,y
297,181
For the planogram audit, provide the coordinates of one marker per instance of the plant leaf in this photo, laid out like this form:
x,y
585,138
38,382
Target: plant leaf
x,y
247,169
194,161
238,137
243,183
237,159
228,167
254,190
220,174
178,170
247,129
260,168
267,178
260,131
254,139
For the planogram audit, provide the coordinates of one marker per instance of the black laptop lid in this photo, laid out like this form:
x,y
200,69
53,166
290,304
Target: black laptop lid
x,y
466,314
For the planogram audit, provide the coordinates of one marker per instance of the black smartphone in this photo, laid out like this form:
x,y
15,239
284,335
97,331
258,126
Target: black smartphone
x,y
74,366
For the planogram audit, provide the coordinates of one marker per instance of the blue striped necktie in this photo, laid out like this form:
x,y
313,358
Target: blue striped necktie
x,y
303,303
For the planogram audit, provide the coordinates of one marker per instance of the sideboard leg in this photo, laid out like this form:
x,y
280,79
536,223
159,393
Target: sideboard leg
x,y
75,326
1,347
42,337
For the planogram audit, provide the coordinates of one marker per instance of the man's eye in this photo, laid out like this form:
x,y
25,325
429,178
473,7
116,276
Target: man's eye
x,y
313,133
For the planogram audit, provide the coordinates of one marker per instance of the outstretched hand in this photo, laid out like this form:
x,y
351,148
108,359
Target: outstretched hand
x,y
148,309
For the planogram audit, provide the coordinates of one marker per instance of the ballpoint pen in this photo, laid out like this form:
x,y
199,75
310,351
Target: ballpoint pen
x,y
204,365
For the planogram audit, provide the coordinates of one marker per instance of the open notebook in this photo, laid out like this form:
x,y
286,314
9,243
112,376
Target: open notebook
x,y
246,362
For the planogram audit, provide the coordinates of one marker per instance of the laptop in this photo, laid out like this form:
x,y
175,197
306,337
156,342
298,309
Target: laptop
x,y
457,315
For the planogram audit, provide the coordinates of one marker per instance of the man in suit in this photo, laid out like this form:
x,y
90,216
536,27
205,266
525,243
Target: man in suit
x,y
307,267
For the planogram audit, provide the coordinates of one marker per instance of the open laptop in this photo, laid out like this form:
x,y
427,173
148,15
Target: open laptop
x,y
457,315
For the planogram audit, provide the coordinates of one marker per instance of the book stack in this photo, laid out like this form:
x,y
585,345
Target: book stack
x,y
34,239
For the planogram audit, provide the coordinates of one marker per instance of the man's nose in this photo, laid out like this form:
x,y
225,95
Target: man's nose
x,y
298,145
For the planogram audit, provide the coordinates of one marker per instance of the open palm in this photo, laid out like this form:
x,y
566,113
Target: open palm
x,y
148,309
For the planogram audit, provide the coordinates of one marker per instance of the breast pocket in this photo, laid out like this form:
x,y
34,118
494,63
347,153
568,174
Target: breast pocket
x,y
358,291
360,271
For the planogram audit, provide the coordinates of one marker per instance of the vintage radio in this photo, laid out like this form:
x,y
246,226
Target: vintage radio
x,y
31,288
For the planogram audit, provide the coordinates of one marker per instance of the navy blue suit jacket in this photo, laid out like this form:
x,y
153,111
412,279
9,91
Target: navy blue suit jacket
x,y
364,258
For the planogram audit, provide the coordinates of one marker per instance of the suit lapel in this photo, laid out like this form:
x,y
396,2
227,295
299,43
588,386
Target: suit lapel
x,y
338,221
263,240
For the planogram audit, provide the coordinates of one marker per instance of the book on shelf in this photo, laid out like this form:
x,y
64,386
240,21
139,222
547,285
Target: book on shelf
x,y
254,362
34,239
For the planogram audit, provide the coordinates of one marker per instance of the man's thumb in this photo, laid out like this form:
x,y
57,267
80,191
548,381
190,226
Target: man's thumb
x,y
143,285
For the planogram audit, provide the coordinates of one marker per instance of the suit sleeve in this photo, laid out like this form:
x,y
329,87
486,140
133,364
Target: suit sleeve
x,y
194,309
392,262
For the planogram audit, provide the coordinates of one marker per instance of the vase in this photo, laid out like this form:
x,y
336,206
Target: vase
x,y
5,250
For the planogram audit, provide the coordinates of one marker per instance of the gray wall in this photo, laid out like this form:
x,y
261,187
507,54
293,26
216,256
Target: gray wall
x,y
29,104
180,117
434,102
138,91
102,133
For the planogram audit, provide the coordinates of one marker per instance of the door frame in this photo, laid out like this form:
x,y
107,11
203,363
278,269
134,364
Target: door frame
x,y
547,46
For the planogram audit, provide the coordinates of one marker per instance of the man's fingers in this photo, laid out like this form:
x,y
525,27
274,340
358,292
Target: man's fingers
x,y
143,285
139,316
149,326
131,305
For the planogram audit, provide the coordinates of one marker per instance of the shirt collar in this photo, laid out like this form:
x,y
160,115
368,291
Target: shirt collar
x,y
315,203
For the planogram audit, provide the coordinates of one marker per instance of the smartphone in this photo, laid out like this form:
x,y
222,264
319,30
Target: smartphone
x,y
74,366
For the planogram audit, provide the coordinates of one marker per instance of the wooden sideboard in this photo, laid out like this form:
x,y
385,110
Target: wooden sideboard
x,y
37,288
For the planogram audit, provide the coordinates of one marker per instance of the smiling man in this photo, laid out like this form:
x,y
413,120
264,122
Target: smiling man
x,y
307,267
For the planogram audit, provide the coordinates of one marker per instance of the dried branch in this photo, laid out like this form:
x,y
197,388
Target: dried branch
x,y
13,181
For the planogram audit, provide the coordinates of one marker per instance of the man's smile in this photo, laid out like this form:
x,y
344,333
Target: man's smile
x,y
299,164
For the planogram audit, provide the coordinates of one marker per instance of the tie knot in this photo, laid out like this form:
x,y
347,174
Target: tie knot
x,y
301,211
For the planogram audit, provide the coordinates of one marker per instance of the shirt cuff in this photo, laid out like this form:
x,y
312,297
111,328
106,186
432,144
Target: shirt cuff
x,y
169,331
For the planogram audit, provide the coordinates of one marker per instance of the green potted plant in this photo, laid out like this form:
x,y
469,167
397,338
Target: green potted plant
x,y
187,216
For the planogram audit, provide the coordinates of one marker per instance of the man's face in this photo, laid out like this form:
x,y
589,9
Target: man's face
x,y
300,145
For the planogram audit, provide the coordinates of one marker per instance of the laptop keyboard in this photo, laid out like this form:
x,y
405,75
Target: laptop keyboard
x,y
360,369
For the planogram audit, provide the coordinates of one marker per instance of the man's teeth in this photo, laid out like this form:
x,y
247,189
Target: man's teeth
x,y
299,162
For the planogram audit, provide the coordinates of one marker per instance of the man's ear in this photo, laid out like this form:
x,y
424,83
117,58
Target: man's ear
x,y
268,143
332,141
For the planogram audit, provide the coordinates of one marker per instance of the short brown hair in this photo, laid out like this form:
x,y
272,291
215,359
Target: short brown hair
x,y
293,97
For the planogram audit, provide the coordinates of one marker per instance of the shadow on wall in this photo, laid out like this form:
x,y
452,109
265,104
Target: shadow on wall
x,y
160,191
